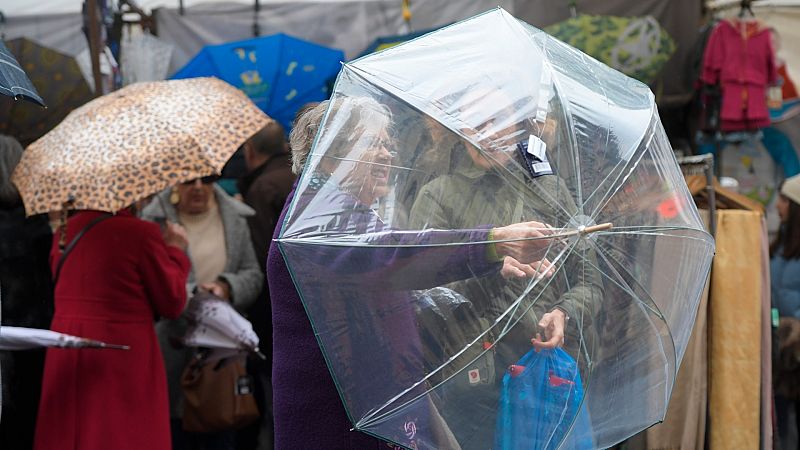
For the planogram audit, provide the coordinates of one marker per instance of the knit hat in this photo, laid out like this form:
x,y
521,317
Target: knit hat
x,y
791,188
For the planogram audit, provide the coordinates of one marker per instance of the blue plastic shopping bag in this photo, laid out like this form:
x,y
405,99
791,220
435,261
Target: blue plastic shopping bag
x,y
540,400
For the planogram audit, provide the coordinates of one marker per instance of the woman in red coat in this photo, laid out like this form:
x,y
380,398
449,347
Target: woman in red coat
x,y
119,276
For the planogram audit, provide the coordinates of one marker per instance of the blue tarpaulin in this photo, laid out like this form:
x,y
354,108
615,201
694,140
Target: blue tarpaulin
x,y
279,73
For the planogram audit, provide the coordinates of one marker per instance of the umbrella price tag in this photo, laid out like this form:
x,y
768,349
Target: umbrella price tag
x,y
537,148
534,152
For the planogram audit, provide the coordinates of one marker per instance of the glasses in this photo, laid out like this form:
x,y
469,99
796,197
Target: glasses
x,y
205,180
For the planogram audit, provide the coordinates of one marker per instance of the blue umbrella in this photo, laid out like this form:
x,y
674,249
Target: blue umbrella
x,y
13,80
279,73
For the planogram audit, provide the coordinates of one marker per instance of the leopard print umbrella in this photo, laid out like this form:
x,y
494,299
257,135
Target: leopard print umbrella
x,y
134,142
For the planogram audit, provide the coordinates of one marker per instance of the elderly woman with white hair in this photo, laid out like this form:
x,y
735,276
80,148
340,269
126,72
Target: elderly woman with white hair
x,y
340,192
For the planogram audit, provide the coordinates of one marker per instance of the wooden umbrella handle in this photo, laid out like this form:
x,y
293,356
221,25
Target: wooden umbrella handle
x,y
598,227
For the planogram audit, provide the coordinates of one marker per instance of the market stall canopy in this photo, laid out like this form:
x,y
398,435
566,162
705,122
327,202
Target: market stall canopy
x,y
29,8
321,22
279,73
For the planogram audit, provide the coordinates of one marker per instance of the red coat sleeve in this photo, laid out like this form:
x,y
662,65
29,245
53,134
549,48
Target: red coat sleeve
x,y
164,270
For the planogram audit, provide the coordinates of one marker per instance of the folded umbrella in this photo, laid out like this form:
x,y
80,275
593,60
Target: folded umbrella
x,y
216,324
135,142
20,338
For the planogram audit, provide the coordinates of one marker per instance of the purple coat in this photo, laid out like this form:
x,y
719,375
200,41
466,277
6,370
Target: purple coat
x,y
307,407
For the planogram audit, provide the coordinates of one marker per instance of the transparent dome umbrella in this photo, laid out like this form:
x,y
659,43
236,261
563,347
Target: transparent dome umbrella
x,y
428,155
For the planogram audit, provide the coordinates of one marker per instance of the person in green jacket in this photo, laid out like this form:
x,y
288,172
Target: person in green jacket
x,y
497,185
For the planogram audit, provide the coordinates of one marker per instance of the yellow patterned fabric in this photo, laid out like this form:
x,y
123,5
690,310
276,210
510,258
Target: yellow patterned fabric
x,y
735,332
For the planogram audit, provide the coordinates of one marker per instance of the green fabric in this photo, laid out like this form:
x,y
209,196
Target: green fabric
x,y
636,46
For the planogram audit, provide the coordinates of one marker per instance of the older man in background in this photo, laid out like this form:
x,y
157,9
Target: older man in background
x,y
264,187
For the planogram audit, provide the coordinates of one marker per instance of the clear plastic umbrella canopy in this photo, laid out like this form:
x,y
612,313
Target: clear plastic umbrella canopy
x,y
443,217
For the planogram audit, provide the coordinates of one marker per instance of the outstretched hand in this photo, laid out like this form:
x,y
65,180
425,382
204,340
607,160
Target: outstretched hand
x,y
515,269
553,324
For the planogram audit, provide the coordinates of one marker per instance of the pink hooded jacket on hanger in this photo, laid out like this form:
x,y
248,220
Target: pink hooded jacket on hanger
x,y
739,56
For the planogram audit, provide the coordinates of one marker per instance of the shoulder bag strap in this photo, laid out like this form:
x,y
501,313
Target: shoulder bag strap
x,y
74,241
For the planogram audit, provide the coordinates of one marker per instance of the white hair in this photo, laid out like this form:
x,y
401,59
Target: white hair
x,y
352,115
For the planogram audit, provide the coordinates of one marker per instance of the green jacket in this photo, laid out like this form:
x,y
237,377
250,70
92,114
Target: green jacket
x,y
471,197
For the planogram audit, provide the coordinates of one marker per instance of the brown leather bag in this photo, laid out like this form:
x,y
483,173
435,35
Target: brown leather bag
x,y
217,395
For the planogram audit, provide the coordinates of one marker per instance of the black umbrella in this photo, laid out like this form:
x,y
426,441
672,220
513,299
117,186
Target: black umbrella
x,y
13,80
57,77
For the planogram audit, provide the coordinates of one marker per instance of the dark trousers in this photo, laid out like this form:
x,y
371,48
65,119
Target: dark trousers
x,y
184,440
260,434
786,411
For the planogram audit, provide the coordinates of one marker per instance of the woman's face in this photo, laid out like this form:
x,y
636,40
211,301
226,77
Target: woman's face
x,y
369,177
195,196
783,208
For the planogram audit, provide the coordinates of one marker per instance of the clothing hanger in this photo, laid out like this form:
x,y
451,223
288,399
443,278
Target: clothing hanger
x,y
746,11
573,8
724,198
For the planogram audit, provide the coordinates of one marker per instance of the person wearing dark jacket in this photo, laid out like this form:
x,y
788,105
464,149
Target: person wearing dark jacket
x,y
27,301
268,181
264,188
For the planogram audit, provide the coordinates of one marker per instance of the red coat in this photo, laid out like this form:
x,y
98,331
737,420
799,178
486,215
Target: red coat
x,y
118,277
740,58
